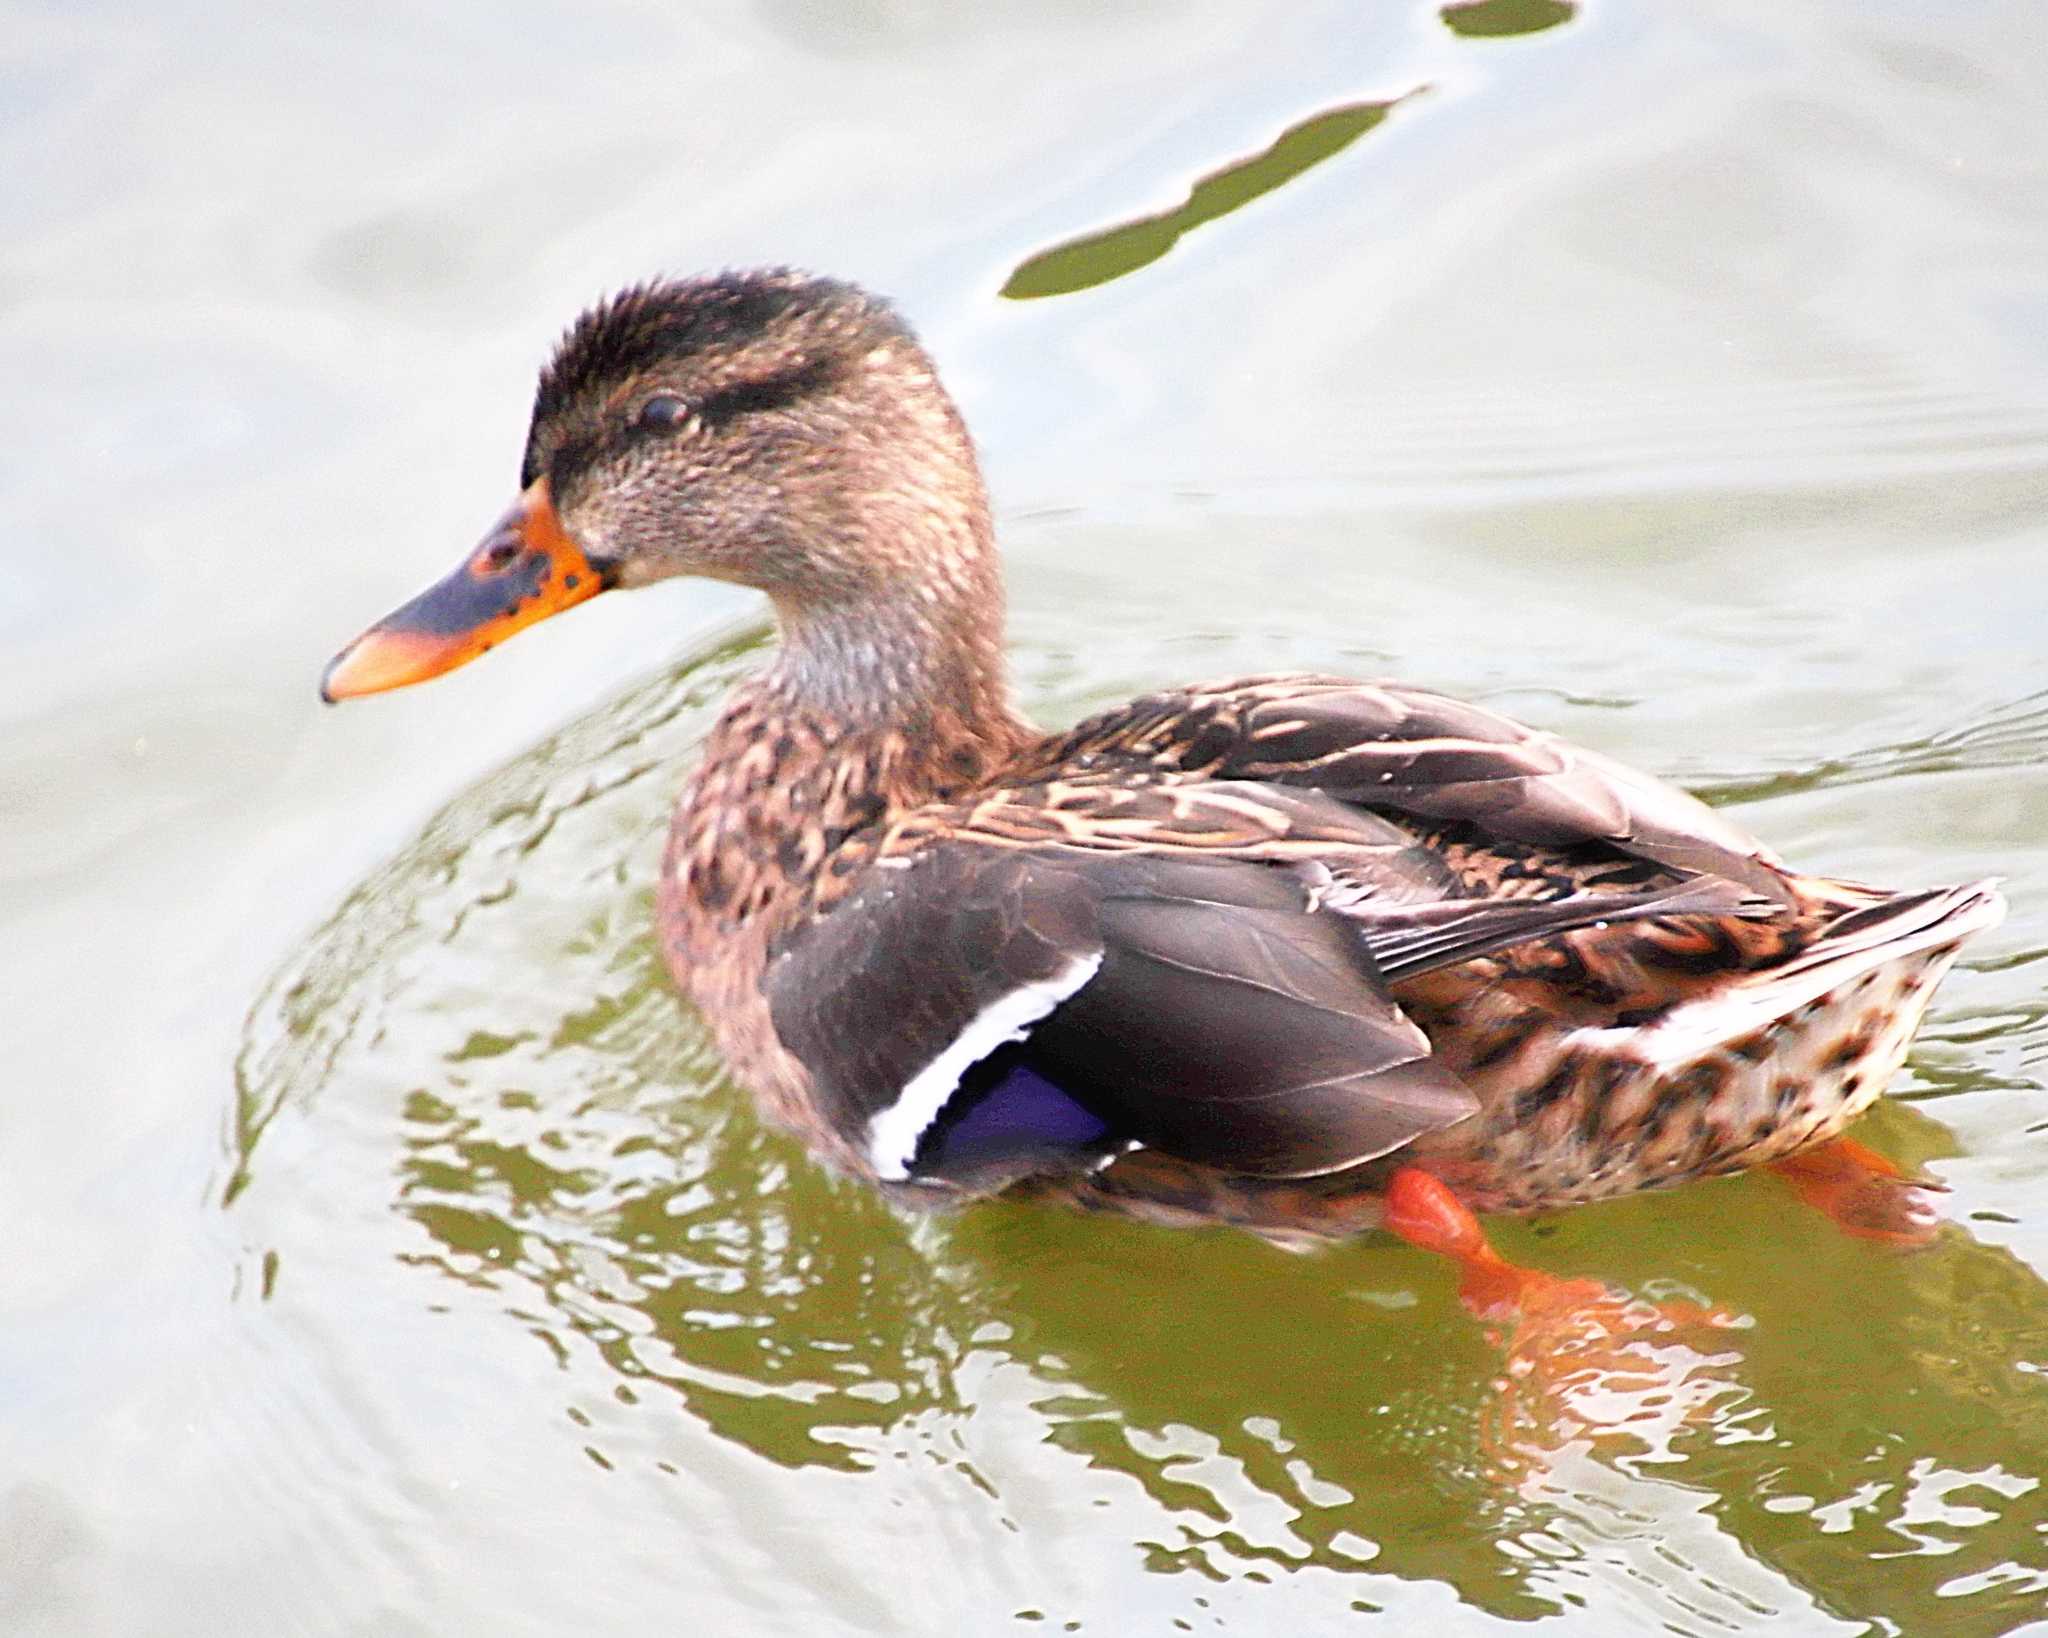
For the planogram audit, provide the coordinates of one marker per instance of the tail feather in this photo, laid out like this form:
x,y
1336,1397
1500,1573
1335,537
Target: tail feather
x,y
1410,939
1903,924
1860,941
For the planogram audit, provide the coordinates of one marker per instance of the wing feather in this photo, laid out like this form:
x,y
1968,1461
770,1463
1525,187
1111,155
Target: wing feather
x,y
1220,1019
1400,750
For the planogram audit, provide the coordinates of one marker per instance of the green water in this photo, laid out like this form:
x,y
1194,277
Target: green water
x,y
390,1255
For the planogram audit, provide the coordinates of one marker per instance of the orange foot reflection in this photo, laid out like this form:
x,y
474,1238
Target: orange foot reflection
x,y
1628,1380
1863,1193
1583,1360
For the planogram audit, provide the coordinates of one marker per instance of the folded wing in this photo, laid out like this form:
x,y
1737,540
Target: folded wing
x,y
1050,1006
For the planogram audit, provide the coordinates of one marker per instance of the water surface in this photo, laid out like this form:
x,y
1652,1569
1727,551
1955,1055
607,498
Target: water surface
x,y
392,1255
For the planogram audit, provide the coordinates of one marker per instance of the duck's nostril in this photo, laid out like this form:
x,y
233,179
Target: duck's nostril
x,y
502,554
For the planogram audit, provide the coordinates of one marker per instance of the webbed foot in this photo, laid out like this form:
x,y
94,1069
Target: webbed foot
x,y
1863,1193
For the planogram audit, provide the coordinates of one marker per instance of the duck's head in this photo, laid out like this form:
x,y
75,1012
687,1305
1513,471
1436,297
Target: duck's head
x,y
770,428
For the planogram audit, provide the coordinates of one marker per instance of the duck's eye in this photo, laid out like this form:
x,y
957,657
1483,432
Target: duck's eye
x,y
664,412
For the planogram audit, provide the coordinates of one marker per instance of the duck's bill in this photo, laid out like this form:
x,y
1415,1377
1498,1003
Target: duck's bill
x,y
524,570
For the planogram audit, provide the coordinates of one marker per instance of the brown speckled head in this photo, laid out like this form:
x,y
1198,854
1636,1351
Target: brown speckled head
x,y
768,428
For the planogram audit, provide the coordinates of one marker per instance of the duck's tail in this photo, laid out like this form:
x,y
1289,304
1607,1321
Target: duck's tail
x,y
1887,927
1897,943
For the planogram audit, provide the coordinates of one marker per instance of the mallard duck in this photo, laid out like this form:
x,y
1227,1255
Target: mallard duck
x,y
1292,952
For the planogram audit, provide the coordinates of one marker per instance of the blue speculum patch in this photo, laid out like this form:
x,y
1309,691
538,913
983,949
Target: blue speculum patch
x,y
1005,1107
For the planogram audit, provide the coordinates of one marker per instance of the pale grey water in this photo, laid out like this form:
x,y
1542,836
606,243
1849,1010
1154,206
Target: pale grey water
x,y
388,1256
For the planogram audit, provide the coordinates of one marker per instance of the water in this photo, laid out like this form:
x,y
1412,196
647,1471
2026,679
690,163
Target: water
x,y
390,1255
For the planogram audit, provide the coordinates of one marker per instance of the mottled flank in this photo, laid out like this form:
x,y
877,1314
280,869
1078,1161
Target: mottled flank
x,y
1226,953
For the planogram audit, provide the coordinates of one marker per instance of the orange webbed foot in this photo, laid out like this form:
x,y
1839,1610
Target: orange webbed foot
x,y
1864,1194
1550,1315
1423,1210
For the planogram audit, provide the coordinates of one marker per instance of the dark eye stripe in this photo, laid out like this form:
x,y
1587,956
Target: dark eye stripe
x,y
767,392
575,455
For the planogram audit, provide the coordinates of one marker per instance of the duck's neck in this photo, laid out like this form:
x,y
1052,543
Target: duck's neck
x,y
908,646
894,665
874,705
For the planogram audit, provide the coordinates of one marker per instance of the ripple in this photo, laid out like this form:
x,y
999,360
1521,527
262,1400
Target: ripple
x,y
2006,734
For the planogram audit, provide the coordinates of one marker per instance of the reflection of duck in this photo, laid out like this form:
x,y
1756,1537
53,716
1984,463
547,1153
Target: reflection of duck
x,y
1292,952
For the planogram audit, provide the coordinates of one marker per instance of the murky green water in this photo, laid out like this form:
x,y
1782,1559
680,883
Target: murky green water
x,y
390,1255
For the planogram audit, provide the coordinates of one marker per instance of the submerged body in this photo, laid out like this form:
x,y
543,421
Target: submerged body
x,y
1252,952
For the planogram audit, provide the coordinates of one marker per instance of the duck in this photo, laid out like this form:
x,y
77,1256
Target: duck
x,y
1298,954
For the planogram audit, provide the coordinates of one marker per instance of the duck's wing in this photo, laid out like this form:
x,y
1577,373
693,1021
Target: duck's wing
x,y
1400,750
1038,983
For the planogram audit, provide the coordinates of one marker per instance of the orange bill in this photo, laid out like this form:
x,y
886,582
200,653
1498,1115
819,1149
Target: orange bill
x,y
525,569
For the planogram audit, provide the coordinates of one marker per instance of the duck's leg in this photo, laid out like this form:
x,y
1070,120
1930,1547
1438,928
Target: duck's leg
x,y
1421,1209
1863,1193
